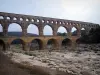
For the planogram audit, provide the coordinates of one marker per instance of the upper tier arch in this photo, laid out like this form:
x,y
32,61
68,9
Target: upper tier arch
x,y
25,20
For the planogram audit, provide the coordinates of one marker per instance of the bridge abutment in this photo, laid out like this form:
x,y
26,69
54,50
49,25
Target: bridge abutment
x,y
26,46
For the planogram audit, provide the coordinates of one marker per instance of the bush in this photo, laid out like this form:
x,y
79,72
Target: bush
x,y
92,37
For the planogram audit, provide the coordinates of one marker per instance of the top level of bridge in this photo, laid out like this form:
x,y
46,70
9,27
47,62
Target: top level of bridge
x,y
23,17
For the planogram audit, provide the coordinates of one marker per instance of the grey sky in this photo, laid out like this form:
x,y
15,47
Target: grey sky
x,y
81,10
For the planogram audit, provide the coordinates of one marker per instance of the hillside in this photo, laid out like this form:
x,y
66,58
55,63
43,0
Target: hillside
x,y
18,34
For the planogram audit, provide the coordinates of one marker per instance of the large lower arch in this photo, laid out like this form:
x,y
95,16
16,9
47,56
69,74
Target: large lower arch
x,y
2,45
47,30
14,29
52,44
66,43
62,31
36,44
32,30
17,44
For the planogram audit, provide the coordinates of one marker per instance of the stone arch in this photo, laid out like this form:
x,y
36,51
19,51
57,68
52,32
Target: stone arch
x,y
66,43
21,19
74,31
52,21
1,17
36,44
47,21
62,30
48,30
91,28
38,20
33,29
2,45
14,18
17,44
1,28
43,21
15,27
83,31
52,44
32,20
82,28
8,18
27,19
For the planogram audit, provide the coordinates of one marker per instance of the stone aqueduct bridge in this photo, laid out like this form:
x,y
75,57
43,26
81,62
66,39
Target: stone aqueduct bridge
x,y
24,20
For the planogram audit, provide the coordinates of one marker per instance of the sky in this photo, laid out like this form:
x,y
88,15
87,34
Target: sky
x,y
80,10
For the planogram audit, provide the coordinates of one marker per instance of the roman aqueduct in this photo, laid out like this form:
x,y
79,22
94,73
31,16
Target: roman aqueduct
x,y
25,20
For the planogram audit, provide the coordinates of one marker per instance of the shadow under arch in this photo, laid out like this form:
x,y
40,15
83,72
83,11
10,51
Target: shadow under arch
x,y
36,44
52,44
2,45
17,44
66,43
48,30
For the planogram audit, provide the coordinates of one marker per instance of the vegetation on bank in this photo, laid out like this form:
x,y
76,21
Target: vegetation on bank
x,y
92,37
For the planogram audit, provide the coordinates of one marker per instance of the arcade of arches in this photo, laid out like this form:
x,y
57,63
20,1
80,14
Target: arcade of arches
x,y
35,44
35,29
41,27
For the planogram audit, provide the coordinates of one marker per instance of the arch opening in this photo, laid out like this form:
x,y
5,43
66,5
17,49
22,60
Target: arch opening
x,y
52,44
1,17
83,31
36,44
1,30
17,44
27,19
8,18
74,31
32,20
14,18
48,30
66,43
32,30
14,29
62,31
2,45
43,21
21,19
82,28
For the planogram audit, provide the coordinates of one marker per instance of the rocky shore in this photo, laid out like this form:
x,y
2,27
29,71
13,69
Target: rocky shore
x,y
84,60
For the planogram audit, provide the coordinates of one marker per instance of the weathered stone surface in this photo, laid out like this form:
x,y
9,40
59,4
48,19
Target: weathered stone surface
x,y
25,20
